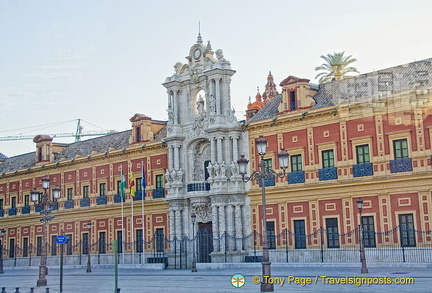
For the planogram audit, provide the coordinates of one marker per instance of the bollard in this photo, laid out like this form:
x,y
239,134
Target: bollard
x,y
3,290
17,290
47,290
118,290
32,290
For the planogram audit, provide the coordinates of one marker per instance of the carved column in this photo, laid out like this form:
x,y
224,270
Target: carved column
x,y
172,226
222,228
218,97
219,149
178,223
176,157
235,148
215,227
213,149
238,228
230,227
170,157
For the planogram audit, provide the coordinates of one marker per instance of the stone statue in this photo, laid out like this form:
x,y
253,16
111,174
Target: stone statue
x,y
212,104
220,56
200,105
170,114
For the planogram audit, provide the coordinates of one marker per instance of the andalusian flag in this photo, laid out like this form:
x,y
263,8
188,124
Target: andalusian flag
x,y
143,181
122,184
132,184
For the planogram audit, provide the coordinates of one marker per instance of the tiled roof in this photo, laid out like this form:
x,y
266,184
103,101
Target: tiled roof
x,y
18,162
2,157
269,110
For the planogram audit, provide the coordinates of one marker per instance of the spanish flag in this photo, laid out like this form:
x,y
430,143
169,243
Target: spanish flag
x,y
131,184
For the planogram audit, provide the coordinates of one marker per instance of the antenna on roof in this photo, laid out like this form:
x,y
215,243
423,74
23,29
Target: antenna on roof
x,y
199,26
199,40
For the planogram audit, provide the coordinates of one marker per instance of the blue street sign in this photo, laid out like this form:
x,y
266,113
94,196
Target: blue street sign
x,y
61,239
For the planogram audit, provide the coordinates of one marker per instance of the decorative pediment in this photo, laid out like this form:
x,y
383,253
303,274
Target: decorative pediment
x,y
293,80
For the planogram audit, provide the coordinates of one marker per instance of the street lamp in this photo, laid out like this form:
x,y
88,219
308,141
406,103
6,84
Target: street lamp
x,y
2,234
364,269
264,173
89,224
47,206
194,269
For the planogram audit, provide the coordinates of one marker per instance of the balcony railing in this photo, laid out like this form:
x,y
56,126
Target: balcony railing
x,y
138,195
69,204
25,210
267,182
12,211
118,198
401,165
327,173
361,170
296,177
199,186
85,202
158,192
101,200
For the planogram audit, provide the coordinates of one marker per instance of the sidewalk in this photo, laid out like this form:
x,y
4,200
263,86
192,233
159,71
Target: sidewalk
x,y
101,280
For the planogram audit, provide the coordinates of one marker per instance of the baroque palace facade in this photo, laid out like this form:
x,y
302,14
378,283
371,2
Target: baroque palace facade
x,y
365,137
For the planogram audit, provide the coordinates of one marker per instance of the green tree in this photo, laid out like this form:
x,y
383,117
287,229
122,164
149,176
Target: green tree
x,y
336,67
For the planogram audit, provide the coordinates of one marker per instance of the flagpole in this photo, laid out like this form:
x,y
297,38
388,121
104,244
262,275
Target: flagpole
x,y
132,220
142,210
122,212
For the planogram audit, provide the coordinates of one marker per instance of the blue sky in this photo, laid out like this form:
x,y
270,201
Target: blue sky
x,y
105,60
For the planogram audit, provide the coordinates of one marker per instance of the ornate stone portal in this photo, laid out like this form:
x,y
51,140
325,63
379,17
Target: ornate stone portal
x,y
204,141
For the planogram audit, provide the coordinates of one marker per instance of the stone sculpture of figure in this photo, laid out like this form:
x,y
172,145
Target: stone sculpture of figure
x,y
179,176
217,169
210,170
234,168
220,56
200,105
170,114
223,169
177,67
212,104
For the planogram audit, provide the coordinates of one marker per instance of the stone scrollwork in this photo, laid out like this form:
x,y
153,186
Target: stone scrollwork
x,y
203,212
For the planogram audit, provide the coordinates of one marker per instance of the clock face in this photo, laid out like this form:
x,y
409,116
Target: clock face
x,y
197,53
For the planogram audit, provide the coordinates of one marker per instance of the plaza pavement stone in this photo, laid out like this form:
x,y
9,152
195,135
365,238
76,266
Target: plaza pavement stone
x,y
217,278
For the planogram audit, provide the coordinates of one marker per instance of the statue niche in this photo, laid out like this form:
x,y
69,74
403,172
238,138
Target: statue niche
x,y
199,154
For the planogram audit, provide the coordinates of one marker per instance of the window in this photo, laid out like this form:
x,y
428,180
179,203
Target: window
x,y
85,191
139,240
25,247
102,189
119,241
296,163
39,245
69,193
367,223
11,248
27,200
271,235
39,154
1,203
119,187
69,244
268,163
160,239
400,148
159,181
85,243
332,233
13,204
328,159
299,234
138,184
362,154
53,245
138,133
406,222
292,101
102,242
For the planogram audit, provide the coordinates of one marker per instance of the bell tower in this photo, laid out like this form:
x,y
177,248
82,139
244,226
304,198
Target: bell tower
x,y
204,141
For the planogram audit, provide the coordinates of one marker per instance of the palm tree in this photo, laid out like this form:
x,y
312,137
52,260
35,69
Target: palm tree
x,y
335,67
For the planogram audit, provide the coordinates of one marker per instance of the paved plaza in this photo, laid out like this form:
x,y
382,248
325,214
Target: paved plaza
x,y
289,278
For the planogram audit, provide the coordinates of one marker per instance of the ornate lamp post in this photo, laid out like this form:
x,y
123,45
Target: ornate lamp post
x,y
2,234
194,269
264,173
47,206
89,224
364,269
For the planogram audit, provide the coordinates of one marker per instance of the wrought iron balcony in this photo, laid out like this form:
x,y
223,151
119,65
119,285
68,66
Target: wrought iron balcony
x,y
327,173
296,177
85,202
361,170
158,192
138,195
199,186
12,211
38,209
268,182
401,165
118,198
69,204
101,200
25,210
